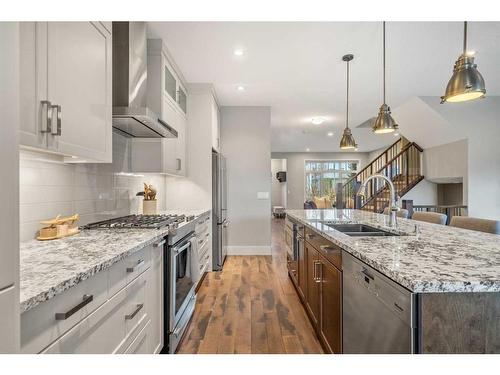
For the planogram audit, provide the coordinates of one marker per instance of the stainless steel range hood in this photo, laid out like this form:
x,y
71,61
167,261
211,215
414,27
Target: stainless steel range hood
x,y
131,115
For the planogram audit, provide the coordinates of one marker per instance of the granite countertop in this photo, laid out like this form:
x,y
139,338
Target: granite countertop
x,y
439,259
50,267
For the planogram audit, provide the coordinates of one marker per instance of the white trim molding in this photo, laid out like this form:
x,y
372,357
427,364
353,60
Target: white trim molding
x,y
249,250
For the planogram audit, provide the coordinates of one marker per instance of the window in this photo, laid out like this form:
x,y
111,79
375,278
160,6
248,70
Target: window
x,y
322,176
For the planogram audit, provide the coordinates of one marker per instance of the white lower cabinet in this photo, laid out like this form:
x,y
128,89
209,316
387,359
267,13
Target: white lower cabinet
x,y
203,244
124,315
155,299
39,326
142,343
100,332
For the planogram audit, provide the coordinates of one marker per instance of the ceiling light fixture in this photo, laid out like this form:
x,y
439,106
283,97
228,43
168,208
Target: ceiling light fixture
x,y
466,83
241,88
330,134
307,149
347,142
238,52
384,122
317,120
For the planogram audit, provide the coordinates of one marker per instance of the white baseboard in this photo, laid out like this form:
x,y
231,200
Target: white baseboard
x,y
249,250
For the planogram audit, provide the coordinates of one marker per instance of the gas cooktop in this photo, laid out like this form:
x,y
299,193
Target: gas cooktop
x,y
140,221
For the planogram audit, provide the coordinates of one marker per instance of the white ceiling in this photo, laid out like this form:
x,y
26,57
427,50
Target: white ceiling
x,y
297,69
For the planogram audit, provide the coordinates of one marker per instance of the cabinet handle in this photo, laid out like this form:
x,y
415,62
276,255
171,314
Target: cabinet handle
x,y
47,119
136,311
366,274
179,164
310,236
317,278
57,130
86,300
328,248
139,264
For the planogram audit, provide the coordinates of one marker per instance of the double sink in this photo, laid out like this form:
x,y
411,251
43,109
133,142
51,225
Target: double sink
x,y
360,230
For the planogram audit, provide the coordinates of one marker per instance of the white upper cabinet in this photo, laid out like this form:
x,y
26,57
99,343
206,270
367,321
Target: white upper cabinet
x,y
167,97
66,83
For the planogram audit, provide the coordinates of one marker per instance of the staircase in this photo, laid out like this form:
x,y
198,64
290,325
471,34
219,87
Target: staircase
x,y
401,163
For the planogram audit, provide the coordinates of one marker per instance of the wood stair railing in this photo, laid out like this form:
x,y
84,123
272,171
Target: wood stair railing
x,y
401,163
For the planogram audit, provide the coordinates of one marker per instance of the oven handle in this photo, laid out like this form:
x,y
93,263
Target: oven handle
x,y
178,249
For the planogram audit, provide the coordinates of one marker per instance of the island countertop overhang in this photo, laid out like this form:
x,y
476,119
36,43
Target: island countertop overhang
x,y
439,259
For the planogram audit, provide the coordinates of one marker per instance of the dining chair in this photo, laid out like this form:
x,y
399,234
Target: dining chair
x,y
474,223
430,217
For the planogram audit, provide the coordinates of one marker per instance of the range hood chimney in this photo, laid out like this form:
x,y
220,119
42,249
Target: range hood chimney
x,y
131,115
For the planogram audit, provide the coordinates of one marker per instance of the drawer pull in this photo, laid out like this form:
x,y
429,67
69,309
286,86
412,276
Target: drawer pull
x,y
328,248
159,244
86,300
136,311
311,236
139,264
365,274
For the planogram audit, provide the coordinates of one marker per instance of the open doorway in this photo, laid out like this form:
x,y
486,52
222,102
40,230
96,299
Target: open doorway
x,y
278,187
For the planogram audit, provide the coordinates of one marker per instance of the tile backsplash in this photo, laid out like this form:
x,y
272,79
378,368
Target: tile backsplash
x,y
49,187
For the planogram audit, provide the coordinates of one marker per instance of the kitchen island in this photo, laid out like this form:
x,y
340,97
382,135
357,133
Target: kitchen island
x,y
451,276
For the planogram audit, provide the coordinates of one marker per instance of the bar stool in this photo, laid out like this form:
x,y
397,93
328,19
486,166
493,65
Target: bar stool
x,y
474,223
430,217
401,213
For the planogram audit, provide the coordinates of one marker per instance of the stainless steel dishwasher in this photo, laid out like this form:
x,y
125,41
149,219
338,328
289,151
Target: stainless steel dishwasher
x,y
378,314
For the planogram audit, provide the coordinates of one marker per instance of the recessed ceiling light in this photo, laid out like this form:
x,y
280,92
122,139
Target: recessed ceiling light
x,y
241,88
317,120
307,149
238,52
330,134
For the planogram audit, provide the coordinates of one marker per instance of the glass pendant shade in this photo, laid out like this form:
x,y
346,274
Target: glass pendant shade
x,y
384,122
466,83
347,142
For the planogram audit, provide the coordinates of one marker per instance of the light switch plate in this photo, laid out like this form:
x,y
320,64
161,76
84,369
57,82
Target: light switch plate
x,y
263,195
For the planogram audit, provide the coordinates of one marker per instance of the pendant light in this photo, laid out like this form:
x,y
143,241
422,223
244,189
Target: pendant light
x,y
347,142
466,83
384,122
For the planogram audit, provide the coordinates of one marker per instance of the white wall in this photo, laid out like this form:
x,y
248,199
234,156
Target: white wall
x,y
246,144
278,194
479,122
295,176
431,124
49,187
447,163
424,193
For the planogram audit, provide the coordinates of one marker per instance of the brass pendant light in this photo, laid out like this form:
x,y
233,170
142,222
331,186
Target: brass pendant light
x,y
347,142
466,83
384,122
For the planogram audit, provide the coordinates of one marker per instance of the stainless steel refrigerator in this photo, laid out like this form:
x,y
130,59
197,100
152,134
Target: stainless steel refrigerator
x,y
220,221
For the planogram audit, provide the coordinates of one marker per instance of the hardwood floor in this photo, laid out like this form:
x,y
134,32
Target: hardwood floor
x,y
251,307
